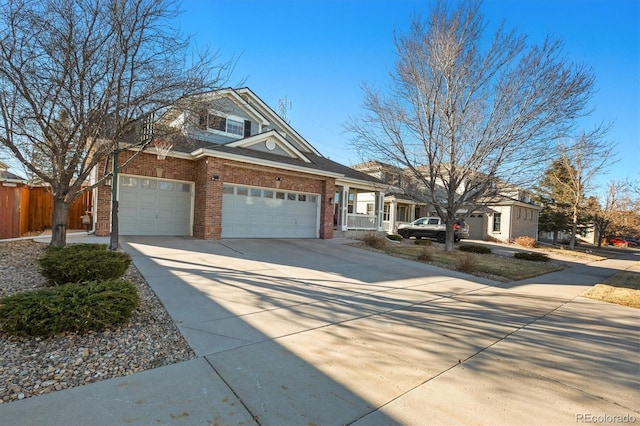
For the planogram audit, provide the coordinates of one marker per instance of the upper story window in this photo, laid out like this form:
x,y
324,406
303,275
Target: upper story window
x,y
230,125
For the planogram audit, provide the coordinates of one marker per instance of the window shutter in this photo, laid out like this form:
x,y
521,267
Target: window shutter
x,y
202,121
247,128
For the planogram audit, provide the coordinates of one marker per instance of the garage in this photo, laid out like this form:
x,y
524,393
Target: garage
x,y
154,206
251,212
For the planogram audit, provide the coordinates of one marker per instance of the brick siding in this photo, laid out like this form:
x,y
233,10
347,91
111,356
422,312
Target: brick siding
x,y
207,221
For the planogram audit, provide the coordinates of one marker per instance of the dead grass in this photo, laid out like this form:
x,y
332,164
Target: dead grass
x,y
623,289
499,268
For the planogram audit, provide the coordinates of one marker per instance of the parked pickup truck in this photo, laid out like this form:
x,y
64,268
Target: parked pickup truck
x,y
432,227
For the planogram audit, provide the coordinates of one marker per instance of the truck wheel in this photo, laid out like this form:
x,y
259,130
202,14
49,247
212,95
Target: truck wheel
x,y
441,237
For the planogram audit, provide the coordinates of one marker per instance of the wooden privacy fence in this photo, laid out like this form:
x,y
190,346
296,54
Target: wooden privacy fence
x,y
24,210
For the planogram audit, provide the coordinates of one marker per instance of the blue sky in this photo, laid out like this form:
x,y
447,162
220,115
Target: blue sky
x,y
318,53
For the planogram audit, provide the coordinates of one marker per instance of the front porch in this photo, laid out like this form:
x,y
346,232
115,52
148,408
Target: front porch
x,y
357,209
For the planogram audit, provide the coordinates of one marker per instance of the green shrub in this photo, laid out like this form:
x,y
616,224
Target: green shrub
x,y
420,242
525,241
374,240
536,257
74,264
466,263
395,237
475,249
426,254
93,306
75,248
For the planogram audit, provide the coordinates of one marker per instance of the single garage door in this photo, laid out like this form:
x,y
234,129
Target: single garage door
x,y
154,206
249,212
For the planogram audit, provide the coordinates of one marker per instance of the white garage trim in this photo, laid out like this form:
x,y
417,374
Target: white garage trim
x,y
151,206
254,212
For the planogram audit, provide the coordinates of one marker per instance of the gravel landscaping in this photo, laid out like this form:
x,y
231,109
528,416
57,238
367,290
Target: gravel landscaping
x,y
35,366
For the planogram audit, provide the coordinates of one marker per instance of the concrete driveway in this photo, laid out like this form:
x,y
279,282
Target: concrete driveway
x,y
318,332
312,332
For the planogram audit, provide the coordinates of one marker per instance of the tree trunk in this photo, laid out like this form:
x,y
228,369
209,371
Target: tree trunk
x,y
574,228
59,224
449,237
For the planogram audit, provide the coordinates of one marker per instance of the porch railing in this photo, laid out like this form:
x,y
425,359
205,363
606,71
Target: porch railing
x,y
361,221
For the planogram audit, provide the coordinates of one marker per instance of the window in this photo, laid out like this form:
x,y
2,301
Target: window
x,y
235,127
148,184
312,199
129,182
385,212
497,218
291,197
256,192
302,197
242,191
228,125
369,208
280,195
166,186
520,212
268,194
227,189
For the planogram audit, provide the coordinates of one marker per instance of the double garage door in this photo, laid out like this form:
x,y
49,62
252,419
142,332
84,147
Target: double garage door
x,y
164,207
250,212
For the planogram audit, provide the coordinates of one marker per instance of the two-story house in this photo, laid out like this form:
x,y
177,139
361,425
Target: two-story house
x,y
235,169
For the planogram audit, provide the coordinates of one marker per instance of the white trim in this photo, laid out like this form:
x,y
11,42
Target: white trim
x,y
269,111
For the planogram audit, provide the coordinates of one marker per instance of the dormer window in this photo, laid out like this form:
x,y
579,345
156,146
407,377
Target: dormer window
x,y
232,126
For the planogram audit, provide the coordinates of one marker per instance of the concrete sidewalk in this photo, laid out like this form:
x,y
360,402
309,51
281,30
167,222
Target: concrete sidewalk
x,y
291,332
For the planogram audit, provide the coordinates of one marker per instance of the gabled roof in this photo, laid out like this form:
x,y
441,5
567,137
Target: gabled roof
x,y
275,137
253,100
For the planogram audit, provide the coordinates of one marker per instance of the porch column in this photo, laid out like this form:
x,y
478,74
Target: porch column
x,y
344,207
392,216
379,209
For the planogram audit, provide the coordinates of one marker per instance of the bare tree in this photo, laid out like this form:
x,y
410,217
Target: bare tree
x,y
604,213
465,112
579,163
79,78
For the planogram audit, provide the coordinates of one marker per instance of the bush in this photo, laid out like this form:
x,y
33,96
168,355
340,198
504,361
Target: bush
x,y
475,249
466,263
525,241
536,257
374,240
426,254
420,242
395,237
93,306
83,262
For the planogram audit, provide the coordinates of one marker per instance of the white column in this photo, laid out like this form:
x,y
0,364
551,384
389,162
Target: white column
x,y
379,209
392,216
344,208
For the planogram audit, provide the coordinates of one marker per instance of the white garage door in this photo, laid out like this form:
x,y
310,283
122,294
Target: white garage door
x,y
249,212
154,206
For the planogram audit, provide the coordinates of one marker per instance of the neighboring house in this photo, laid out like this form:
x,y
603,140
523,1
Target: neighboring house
x,y
13,195
505,217
236,170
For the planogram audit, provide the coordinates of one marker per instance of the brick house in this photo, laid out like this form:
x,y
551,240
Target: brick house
x,y
235,170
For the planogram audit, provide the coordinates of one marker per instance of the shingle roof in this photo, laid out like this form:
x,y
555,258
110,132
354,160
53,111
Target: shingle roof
x,y
317,163
8,176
